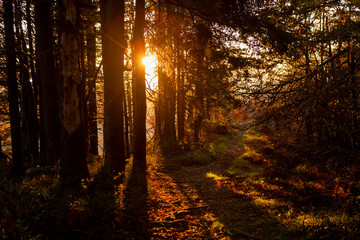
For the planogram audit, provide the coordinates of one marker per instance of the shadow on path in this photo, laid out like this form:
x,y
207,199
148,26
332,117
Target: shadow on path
x,y
135,202
195,206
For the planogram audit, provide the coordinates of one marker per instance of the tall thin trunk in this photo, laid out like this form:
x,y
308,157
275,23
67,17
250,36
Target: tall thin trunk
x,y
48,84
112,18
17,155
180,96
126,127
32,89
136,191
31,51
203,36
170,87
139,84
74,127
130,115
92,108
166,100
28,110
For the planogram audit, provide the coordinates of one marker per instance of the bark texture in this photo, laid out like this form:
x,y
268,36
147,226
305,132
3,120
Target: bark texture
x,y
74,130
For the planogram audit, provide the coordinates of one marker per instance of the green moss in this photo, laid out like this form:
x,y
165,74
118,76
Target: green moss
x,y
198,157
219,146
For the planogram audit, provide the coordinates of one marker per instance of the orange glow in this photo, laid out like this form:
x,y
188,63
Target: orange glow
x,y
150,63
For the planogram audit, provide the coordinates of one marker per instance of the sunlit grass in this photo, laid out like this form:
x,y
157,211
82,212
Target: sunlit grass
x,y
303,199
214,176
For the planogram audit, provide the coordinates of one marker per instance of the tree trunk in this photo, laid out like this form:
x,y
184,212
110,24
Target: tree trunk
x,y
126,125
91,68
136,191
74,128
31,54
130,120
34,125
180,95
48,86
28,110
17,155
114,44
139,90
166,101
203,36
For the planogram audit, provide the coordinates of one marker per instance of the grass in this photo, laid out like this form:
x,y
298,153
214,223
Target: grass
x,y
309,200
198,157
205,154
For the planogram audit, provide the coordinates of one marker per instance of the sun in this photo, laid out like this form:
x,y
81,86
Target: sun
x,y
150,63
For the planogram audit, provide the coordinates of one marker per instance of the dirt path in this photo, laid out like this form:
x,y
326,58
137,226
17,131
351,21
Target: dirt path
x,y
185,204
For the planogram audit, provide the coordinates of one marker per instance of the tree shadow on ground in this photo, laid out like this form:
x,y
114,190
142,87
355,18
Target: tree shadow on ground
x,y
135,203
231,214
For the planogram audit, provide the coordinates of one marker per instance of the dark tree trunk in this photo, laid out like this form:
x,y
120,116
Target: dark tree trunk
x,y
48,86
74,127
92,108
34,131
112,18
203,36
170,87
139,90
28,109
17,155
166,112
180,95
31,54
166,101
160,106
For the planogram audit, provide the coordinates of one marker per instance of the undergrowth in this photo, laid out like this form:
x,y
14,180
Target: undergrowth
x,y
309,199
37,206
205,154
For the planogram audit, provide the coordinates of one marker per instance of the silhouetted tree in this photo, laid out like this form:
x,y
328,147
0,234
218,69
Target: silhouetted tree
x,y
13,93
91,77
139,88
48,83
28,108
112,15
73,105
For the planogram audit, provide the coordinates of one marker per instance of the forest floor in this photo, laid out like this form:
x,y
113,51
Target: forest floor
x,y
239,194
184,202
190,200
240,185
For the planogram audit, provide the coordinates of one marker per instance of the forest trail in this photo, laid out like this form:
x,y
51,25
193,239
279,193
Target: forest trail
x,y
185,203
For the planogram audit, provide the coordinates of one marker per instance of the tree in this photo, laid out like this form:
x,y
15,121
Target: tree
x,y
203,34
166,94
73,105
139,88
27,102
48,84
91,79
16,143
112,16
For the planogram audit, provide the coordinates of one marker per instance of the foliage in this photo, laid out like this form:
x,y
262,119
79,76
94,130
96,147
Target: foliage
x,y
205,154
198,157
312,92
38,206
308,198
